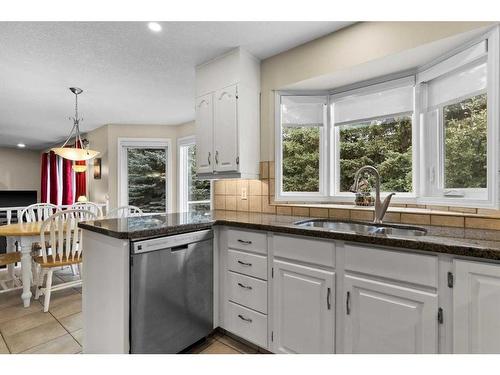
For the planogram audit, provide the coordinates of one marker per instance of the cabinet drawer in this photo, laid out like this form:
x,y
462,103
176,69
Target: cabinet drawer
x,y
247,240
248,324
247,291
397,265
247,264
305,250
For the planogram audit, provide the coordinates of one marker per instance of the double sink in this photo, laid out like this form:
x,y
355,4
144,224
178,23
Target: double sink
x,y
363,228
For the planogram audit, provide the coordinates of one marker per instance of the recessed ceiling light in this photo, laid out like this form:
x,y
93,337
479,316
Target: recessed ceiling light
x,y
154,26
21,145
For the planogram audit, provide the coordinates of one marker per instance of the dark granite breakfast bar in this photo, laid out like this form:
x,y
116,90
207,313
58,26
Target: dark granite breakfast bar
x,y
475,243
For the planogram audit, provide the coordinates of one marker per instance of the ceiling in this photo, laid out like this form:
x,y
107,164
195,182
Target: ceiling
x,y
129,74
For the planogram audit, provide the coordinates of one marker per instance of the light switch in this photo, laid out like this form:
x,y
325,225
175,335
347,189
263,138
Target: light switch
x,y
244,193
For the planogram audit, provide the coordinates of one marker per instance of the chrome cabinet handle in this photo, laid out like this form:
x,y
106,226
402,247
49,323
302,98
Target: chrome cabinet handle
x,y
245,286
245,242
216,157
348,303
209,156
328,295
245,264
245,319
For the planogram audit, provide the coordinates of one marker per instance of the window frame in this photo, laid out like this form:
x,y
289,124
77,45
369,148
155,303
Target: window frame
x,y
182,163
158,143
423,192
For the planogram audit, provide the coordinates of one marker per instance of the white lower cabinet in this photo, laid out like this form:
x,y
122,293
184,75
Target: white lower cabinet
x,y
383,317
476,307
304,312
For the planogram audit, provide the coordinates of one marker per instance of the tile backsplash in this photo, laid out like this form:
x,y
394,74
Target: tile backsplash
x,y
260,198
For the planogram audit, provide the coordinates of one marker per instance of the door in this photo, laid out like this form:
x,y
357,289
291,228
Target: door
x,y
476,307
388,318
226,129
304,312
204,134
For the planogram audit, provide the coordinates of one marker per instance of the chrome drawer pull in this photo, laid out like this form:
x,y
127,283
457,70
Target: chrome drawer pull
x,y
245,242
245,286
245,319
245,264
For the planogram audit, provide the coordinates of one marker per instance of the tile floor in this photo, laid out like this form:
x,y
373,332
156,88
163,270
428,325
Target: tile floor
x,y
60,331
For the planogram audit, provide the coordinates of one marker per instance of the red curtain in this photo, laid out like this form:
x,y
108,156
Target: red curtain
x,y
67,182
44,178
53,178
80,181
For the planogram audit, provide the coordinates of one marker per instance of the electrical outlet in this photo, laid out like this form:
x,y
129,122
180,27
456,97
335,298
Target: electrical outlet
x,y
244,193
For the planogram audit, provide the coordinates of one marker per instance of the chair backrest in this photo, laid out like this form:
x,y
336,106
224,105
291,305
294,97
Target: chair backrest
x,y
64,236
89,206
37,212
125,211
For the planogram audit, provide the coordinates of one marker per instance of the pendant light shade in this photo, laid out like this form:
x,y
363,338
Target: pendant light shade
x,y
78,151
79,168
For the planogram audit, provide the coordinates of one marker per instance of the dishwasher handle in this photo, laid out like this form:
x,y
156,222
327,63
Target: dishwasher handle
x,y
179,248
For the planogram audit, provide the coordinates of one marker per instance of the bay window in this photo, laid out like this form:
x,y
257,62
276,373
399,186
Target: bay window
x,y
432,135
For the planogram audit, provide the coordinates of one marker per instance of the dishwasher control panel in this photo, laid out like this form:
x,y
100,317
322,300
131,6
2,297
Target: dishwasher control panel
x,y
171,241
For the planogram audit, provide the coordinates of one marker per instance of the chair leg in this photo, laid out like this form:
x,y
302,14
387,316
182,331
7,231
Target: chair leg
x,y
80,267
34,272
48,289
39,283
73,269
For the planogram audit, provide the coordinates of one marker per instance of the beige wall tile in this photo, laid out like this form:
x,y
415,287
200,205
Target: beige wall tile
x,y
415,205
300,211
255,203
467,210
338,213
220,187
392,217
266,207
231,187
254,187
488,212
480,223
230,203
283,210
272,184
265,187
447,221
361,215
421,219
271,169
318,212
264,169
241,205
220,202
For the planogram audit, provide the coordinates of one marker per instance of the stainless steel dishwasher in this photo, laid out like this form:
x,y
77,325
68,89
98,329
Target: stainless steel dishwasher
x,y
171,287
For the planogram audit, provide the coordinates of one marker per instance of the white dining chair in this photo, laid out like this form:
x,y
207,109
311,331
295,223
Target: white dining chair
x,y
66,249
89,206
124,211
37,212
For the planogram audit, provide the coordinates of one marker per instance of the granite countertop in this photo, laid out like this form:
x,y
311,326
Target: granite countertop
x,y
457,241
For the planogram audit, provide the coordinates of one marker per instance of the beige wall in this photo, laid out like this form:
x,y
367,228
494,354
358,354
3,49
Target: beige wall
x,y
354,45
105,140
19,170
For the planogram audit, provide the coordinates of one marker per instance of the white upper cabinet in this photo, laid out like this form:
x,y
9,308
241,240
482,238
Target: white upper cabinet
x,y
226,131
205,131
388,318
232,82
476,307
304,312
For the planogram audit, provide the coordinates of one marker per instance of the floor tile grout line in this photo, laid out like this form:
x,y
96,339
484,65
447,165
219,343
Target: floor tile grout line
x,y
58,321
7,345
230,346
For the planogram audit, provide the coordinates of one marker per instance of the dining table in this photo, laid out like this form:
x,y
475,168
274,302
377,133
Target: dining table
x,y
24,235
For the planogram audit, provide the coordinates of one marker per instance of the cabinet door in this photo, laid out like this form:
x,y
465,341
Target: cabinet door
x,y
226,129
476,307
204,134
304,312
387,318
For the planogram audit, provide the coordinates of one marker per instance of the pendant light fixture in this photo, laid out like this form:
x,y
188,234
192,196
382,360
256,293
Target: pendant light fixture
x,y
79,150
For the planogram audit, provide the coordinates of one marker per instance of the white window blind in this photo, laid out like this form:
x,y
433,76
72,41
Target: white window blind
x,y
303,110
459,84
356,107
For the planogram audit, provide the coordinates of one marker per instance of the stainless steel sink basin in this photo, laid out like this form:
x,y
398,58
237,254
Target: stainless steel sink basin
x,y
363,228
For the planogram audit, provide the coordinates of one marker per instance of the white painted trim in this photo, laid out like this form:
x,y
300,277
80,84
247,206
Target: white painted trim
x,y
122,171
